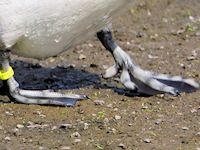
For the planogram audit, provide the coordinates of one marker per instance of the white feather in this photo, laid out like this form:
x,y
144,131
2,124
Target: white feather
x,y
43,28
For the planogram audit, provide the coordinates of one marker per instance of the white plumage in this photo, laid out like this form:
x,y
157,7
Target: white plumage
x,y
43,28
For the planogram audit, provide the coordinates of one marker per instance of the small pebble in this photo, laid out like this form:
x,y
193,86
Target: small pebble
x,y
7,138
81,57
77,140
41,148
115,109
133,113
114,131
198,134
185,128
182,66
147,140
193,110
161,47
122,146
110,106
24,140
86,126
81,111
117,117
152,57
165,20
90,45
99,102
194,53
197,34
54,128
65,148
158,121
8,113
65,126
145,107
138,35
37,112
42,116
19,126
94,115
111,130
75,134
141,48
51,60
190,58
84,66
191,18
15,131
38,126
106,120
149,13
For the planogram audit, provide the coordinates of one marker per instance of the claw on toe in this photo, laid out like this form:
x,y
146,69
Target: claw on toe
x,y
126,80
111,72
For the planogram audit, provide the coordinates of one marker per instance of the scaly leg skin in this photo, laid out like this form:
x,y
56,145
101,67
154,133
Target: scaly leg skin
x,y
133,77
41,97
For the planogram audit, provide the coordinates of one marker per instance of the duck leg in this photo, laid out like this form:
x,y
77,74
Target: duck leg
x,y
41,97
135,78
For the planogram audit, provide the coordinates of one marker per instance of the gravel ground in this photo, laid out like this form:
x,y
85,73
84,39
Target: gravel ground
x,y
161,35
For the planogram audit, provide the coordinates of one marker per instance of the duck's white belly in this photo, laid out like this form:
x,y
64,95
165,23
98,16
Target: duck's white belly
x,y
43,28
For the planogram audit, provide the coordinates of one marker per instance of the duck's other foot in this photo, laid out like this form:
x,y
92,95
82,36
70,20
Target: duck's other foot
x,y
133,77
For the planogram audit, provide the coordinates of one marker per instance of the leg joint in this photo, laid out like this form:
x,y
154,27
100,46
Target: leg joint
x,y
105,36
4,54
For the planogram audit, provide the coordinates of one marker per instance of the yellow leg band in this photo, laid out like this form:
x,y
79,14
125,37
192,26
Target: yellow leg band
x,y
6,75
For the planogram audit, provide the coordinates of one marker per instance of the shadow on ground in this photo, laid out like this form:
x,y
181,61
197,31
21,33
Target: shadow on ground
x,y
34,76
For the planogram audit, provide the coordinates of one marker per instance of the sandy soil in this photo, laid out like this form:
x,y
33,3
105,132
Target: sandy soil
x,y
161,35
